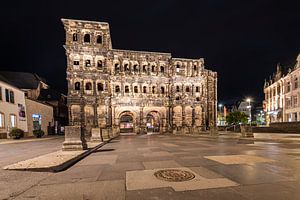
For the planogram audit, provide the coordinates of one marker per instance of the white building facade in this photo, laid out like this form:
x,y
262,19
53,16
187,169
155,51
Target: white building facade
x,y
12,109
282,95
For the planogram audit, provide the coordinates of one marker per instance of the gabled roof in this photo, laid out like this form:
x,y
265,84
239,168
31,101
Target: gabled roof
x,y
22,80
49,95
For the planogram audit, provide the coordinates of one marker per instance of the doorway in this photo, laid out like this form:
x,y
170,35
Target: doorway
x,y
126,123
153,122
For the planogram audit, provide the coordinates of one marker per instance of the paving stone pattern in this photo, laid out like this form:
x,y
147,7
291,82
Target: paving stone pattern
x,y
124,169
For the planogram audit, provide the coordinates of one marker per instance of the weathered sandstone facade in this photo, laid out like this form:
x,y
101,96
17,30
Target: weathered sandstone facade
x,y
134,91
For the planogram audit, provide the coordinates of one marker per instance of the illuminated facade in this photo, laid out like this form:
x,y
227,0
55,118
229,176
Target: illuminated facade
x,y
282,93
134,91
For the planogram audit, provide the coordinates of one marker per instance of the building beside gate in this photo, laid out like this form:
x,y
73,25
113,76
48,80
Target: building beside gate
x,y
134,91
282,93
12,108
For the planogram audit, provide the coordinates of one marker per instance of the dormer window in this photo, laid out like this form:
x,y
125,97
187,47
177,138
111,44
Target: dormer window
x,y
87,38
99,39
88,63
75,37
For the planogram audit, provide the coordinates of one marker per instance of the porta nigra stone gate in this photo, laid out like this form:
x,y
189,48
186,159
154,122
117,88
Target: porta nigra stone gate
x,y
126,91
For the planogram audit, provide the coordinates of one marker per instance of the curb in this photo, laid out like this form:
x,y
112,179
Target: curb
x,y
73,161
11,141
68,163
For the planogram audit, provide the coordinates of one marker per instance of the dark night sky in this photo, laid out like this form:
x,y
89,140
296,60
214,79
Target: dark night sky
x,y
241,40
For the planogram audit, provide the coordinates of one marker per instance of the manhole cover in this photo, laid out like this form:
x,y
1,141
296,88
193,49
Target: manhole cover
x,y
174,175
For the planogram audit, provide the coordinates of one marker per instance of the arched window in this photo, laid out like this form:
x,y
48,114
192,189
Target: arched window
x,y
117,67
198,99
100,87
177,68
136,90
162,90
117,89
177,98
153,68
87,38
135,68
177,88
197,89
144,68
153,89
88,86
99,64
187,89
195,67
162,69
75,37
77,86
126,67
88,63
144,89
126,89
99,39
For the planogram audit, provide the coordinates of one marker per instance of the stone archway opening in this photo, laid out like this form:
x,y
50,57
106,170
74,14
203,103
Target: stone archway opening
x,y
126,122
153,122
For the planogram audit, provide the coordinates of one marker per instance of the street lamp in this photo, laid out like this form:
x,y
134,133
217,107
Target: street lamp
x,y
220,113
249,106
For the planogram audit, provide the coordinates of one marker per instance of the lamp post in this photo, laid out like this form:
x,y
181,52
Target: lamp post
x,y
220,113
249,106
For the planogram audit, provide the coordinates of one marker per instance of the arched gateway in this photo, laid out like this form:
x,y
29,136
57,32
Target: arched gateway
x,y
153,122
126,122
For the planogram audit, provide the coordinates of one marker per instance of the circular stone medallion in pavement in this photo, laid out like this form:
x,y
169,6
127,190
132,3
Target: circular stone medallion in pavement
x,y
174,175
